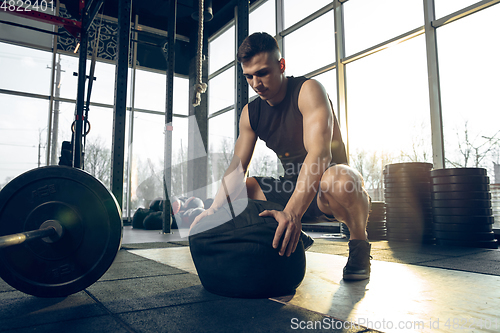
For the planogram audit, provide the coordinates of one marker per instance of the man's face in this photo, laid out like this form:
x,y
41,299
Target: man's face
x,y
264,74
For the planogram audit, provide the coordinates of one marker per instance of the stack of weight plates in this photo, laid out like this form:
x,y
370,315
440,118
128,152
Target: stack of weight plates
x,y
461,203
408,202
376,227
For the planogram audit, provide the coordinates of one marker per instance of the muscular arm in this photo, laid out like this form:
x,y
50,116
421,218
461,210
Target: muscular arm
x,y
318,125
234,177
318,130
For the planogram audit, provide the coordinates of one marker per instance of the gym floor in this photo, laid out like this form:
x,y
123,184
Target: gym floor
x,y
152,287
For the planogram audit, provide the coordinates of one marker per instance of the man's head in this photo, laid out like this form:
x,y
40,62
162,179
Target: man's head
x,y
260,59
256,43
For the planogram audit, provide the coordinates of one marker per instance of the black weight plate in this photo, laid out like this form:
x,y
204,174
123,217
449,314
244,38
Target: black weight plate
x,y
409,228
377,235
461,180
410,225
376,223
399,237
477,195
409,186
409,206
466,236
408,166
465,211
92,235
377,228
402,230
404,191
412,218
397,188
408,210
461,203
376,216
464,227
425,218
460,187
458,172
377,231
481,244
414,201
409,180
419,197
413,174
464,219
407,194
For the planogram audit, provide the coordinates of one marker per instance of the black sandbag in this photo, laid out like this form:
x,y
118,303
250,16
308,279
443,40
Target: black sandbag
x,y
235,257
138,218
154,221
156,205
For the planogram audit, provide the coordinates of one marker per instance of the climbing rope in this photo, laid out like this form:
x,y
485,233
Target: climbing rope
x,y
199,87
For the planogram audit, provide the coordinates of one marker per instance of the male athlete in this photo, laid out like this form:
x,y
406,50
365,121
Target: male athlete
x,y
294,117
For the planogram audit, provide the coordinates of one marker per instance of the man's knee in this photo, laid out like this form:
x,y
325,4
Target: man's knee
x,y
344,184
253,189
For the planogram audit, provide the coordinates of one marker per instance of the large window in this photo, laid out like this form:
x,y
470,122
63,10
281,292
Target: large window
x,y
221,50
469,95
368,23
263,18
220,149
221,91
388,110
296,10
23,135
307,50
25,69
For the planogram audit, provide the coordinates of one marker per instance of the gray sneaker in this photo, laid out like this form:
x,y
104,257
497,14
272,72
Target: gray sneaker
x,y
358,263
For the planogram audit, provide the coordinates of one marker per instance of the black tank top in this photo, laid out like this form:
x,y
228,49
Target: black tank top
x,y
281,128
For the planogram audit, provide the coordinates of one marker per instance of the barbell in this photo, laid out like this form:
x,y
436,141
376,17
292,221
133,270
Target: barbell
x,y
60,231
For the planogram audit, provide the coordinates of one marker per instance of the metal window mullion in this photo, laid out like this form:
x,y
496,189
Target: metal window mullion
x,y
321,70
218,113
434,87
384,45
222,69
48,151
241,15
341,76
131,121
280,25
169,104
120,107
464,12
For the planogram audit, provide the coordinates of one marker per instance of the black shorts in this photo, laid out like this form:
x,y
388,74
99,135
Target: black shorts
x,y
280,190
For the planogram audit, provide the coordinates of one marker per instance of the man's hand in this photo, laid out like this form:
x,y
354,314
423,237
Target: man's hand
x,y
207,212
290,226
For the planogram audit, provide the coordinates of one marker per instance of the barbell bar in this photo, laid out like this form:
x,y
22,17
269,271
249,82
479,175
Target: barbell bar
x,y
50,231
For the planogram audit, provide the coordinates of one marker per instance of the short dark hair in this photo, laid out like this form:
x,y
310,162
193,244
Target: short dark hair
x,y
256,43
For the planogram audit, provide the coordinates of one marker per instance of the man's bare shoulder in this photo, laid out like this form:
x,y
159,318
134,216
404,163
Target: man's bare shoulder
x,y
313,96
